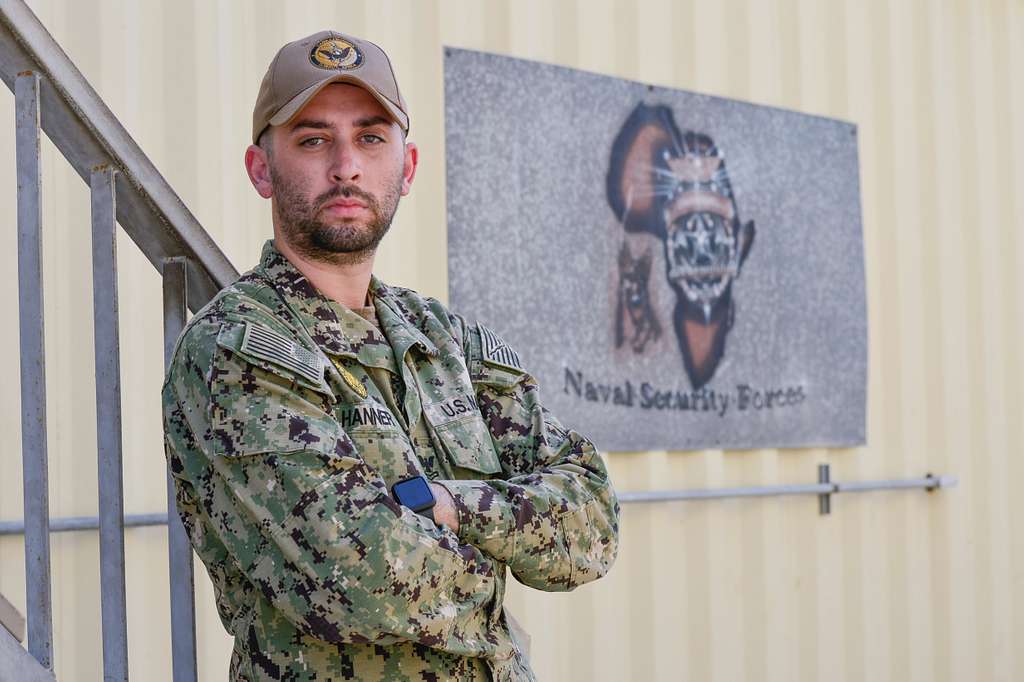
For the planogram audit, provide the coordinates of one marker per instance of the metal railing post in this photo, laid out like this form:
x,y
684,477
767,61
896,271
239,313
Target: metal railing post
x,y
33,372
179,549
108,424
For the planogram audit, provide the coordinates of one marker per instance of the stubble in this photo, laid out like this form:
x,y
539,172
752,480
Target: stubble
x,y
345,241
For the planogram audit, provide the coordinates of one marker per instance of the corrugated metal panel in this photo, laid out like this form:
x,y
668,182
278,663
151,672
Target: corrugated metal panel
x,y
901,586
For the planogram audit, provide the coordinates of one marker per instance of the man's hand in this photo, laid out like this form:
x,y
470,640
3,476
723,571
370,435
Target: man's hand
x,y
445,513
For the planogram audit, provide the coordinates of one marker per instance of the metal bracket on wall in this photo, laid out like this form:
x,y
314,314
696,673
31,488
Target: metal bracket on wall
x,y
824,489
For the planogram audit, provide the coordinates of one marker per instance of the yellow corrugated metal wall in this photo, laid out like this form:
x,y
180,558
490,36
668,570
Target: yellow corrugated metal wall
x,y
892,586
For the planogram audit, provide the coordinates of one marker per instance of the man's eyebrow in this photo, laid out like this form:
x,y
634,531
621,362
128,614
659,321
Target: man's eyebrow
x,y
371,121
311,123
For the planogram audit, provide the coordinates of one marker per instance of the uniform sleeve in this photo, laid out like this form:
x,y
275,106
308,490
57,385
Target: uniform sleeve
x,y
309,523
553,517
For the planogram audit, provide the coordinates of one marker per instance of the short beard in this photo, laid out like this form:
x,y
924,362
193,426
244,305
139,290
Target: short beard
x,y
347,243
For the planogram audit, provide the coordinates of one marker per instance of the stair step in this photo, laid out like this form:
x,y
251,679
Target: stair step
x,y
17,664
12,619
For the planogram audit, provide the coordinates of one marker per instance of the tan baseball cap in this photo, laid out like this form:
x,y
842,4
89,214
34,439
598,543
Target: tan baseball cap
x,y
304,67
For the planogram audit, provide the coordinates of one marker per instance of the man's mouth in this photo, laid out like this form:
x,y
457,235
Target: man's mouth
x,y
344,207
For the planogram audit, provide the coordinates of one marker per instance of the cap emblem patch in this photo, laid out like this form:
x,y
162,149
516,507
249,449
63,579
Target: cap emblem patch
x,y
335,53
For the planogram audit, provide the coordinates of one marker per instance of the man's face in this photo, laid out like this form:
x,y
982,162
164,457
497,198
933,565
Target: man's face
x,y
336,172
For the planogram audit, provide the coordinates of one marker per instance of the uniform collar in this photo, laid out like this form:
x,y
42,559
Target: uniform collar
x,y
314,312
396,320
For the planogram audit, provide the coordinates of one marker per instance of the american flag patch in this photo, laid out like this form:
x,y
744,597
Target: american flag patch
x,y
279,349
496,351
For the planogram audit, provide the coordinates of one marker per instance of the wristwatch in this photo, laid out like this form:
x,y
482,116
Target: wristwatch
x,y
415,493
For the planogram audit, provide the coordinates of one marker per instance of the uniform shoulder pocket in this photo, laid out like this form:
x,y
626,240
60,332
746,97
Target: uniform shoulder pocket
x,y
274,352
261,402
492,361
498,377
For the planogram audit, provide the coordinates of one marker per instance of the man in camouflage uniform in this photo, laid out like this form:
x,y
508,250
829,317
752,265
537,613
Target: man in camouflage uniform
x,y
304,391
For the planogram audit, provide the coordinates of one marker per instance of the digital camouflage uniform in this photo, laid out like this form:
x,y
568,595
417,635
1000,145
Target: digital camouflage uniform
x,y
288,417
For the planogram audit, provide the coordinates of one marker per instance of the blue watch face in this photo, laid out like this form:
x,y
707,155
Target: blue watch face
x,y
414,493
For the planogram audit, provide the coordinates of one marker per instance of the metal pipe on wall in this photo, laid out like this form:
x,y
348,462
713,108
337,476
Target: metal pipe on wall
x,y
928,483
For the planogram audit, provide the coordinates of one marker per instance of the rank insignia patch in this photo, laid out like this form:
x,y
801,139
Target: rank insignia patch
x,y
496,351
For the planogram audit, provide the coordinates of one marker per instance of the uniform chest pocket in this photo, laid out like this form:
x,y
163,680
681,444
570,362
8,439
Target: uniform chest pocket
x,y
379,439
467,444
388,453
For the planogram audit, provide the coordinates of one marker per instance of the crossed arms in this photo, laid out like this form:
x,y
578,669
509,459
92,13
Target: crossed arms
x,y
273,489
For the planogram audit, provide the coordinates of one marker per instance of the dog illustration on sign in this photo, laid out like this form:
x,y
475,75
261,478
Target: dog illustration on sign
x,y
673,185
634,305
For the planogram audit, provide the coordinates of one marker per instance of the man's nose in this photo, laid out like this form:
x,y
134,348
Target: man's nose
x,y
345,166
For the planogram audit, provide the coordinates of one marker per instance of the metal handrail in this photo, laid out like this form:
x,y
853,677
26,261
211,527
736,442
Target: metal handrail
x,y
126,189
88,134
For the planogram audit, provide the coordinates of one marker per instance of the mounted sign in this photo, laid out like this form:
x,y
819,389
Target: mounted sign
x,y
678,271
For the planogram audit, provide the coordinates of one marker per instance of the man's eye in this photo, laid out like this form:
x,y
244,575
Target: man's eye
x,y
370,138
312,142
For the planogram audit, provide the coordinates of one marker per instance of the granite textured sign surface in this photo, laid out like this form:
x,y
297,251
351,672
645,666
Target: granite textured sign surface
x,y
678,271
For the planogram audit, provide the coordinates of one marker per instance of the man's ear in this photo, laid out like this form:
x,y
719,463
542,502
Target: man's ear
x,y
412,158
257,165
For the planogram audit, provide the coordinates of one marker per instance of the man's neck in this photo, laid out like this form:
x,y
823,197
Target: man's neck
x,y
346,284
